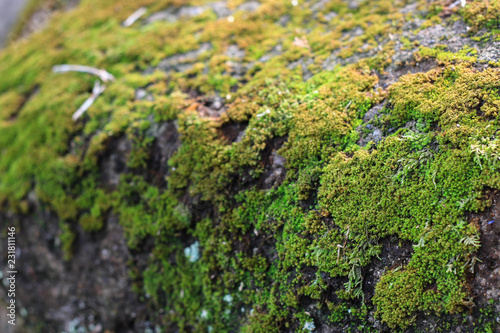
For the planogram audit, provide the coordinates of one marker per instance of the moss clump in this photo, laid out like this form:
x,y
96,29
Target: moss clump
x,y
67,239
482,14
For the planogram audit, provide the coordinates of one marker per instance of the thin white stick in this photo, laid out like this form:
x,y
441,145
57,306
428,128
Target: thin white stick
x,y
96,91
458,2
102,74
134,17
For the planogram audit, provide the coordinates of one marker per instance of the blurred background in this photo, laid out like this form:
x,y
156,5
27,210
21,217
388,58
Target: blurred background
x,y
10,11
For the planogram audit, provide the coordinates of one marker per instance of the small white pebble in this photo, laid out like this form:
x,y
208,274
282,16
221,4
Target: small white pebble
x,y
264,113
230,19
309,326
228,96
228,298
295,3
193,252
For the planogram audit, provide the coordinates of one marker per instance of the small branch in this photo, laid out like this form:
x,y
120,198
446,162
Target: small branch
x,y
348,105
458,2
96,91
134,17
102,74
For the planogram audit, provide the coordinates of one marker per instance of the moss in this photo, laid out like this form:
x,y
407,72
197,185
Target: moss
x,y
67,239
467,54
482,14
311,236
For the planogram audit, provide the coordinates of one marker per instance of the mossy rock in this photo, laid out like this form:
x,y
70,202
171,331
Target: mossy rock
x,y
267,161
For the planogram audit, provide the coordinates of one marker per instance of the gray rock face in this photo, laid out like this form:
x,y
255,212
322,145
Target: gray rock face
x,y
174,14
250,6
303,63
9,12
88,294
490,53
142,94
183,62
234,52
220,9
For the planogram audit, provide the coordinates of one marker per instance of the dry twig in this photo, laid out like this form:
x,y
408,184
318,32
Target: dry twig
x,y
102,74
96,91
458,2
134,17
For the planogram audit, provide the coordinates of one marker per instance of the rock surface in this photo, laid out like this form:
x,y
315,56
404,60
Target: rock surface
x,y
9,13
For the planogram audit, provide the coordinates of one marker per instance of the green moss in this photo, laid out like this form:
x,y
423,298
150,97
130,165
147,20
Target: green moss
x,y
67,238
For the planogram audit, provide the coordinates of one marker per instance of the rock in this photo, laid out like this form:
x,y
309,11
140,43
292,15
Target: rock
x,y
249,6
233,51
183,62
